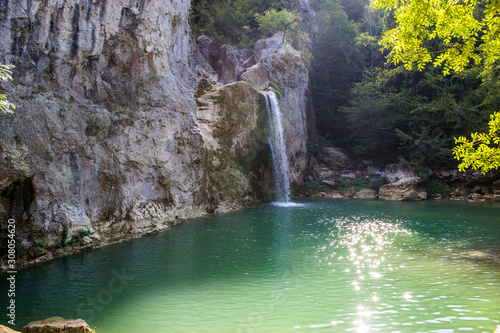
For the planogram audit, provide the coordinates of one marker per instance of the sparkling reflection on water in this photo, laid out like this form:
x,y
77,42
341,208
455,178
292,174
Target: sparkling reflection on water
x,y
323,265
395,291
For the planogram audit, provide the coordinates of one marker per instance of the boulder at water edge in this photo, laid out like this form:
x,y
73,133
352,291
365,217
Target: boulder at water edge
x,y
57,325
406,189
5,329
366,193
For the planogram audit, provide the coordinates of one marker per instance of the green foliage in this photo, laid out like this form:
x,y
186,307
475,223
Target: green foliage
x,y
243,22
358,184
427,147
64,238
445,33
272,21
312,148
400,114
40,244
5,75
482,152
232,21
338,62
313,184
376,110
74,239
452,35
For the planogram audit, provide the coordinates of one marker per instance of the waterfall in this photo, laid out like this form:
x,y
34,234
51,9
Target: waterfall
x,y
277,144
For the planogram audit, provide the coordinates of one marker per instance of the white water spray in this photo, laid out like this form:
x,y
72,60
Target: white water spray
x,y
277,144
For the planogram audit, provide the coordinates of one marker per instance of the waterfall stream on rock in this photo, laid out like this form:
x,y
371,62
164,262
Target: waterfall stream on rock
x,y
277,144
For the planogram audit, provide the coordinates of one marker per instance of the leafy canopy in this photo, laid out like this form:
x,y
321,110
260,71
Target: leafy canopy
x,y
235,22
338,62
448,33
272,21
6,74
451,34
412,115
482,151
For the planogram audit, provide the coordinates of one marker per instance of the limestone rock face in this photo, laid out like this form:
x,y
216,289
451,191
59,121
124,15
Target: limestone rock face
x,y
105,135
232,63
366,193
404,185
257,76
111,135
402,192
272,63
289,75
238,161
210,49
57,325
334,159
395,172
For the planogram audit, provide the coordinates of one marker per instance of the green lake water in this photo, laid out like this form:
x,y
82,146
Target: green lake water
x,y
323,266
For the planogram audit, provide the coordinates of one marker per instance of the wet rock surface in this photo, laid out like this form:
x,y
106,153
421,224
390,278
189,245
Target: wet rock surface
x,y
111,135
57,325
396,182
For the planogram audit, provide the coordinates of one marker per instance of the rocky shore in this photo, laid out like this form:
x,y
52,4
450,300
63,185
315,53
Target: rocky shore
x,y
52,325
60,325
331,174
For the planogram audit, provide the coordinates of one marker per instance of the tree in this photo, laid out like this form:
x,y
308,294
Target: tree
x,y
451,34
483,151
338,63
6,74
232,21
272,21
464,30
397,114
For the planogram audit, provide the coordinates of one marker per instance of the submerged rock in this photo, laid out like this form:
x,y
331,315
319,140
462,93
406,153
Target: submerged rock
x,y
57,325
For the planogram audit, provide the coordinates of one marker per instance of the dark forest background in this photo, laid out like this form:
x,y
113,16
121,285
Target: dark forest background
x,y
372,109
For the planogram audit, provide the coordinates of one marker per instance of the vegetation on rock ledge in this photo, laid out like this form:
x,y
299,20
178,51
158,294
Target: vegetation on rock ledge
x,y
242,22
6,74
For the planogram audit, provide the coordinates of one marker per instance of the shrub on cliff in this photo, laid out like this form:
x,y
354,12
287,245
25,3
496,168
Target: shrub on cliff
x,y
6,74
242,22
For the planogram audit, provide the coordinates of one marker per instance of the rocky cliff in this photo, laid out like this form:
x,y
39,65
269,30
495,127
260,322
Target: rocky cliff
x,y
124,127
